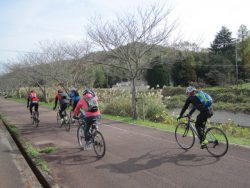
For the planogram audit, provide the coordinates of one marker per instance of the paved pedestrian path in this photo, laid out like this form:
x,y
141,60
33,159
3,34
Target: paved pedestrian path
x,y
14,170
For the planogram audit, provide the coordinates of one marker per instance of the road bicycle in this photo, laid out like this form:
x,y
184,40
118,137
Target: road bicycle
x,y
217,140
96,137
66,121
35,119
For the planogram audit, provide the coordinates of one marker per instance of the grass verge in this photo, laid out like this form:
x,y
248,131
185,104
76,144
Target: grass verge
x,y
35,154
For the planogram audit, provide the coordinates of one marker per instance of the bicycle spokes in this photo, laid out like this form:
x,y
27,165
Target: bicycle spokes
x,y
217,142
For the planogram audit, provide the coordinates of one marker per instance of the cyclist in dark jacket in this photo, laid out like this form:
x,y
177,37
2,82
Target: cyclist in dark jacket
x,y
202,117
63,102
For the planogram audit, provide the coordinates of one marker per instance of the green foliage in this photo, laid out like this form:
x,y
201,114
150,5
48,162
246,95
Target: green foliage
x,y
34,153
100,78
158,76
118,102
233,98
48,149
231,129
184,71
14,130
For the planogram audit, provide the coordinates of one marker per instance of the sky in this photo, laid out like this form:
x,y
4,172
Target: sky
x,y
25,23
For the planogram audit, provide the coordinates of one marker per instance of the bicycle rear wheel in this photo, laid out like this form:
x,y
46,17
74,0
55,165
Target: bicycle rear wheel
x,y
67,122
217,142
36,121
33,118
184,136
99,144
81,136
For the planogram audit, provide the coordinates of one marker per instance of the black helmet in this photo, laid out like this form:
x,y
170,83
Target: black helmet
x,y
87,90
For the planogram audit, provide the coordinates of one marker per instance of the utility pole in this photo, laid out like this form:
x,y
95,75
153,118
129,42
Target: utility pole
x,y
236,61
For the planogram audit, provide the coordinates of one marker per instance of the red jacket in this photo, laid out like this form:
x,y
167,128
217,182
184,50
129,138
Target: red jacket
x,y
82,104
33,97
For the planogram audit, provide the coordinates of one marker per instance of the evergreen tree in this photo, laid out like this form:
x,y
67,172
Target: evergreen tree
x,y
158,75
222,54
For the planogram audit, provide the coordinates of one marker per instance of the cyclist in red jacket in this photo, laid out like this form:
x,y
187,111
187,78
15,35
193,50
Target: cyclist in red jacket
x,y
32,101
89,104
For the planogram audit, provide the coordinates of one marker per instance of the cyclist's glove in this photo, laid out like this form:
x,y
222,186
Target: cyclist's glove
x,y
54,108
178,117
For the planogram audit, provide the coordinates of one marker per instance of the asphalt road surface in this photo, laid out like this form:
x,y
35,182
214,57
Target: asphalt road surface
x,y
136,156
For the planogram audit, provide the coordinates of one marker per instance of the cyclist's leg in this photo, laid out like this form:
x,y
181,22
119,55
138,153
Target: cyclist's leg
x,y
31,106
61,109
87,127
200,125
36,108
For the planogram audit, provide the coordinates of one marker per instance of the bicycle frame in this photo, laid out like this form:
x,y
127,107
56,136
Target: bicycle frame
x,y
191,125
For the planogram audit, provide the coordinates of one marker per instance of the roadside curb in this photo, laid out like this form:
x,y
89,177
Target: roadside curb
x,y
44,179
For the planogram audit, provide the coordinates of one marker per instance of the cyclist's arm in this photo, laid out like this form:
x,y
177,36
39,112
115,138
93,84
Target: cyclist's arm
x,y
186,105
56,99
28,100
192,111
78,107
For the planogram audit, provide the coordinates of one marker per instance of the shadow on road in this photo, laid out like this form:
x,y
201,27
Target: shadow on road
x,y
71,156
150,161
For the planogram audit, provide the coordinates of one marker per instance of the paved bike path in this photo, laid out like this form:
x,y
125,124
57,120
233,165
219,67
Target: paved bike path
x,y
136,156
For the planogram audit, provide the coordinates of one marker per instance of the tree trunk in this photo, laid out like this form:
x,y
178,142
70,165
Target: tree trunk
x,y
134,100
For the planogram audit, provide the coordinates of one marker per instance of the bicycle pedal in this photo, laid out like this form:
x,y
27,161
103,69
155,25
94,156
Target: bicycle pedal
x,y
203,146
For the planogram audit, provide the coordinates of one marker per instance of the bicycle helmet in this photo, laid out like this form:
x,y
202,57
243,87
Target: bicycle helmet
x,y
190,89
73,89
59,91
85,91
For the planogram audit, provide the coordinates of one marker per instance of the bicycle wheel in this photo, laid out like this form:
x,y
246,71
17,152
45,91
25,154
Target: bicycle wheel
x,y
99,144
33,118
67,122
81,136
217,142
36,119
184,136
58,119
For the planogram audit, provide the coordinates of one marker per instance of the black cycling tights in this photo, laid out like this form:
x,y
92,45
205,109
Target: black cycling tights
x,y
200,124
35,105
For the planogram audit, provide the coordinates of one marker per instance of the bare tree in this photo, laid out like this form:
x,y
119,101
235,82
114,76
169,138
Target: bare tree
x,y
130,37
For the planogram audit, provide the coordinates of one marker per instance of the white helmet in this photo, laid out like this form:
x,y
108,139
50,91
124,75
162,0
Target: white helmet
x,y
190,89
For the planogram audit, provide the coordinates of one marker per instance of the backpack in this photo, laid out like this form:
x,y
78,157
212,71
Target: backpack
x,y
63,99
204,98
75,97
34,97
92,104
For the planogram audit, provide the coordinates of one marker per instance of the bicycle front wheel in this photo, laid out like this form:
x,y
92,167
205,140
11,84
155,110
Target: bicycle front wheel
x,y
184,136
81,136
99,144
217,142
